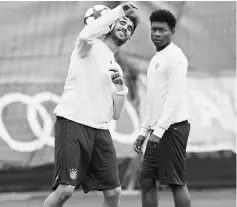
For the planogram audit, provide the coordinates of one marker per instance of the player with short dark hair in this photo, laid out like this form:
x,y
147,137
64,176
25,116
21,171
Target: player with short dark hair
x,y
166,123
164,15
94,94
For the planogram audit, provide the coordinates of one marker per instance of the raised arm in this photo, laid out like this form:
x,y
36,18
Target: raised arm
x,y
95,28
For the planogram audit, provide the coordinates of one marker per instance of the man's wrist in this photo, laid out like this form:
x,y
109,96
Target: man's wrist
x,y
159,132
121,89
143,132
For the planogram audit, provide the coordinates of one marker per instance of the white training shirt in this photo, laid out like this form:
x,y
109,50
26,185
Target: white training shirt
x,y
89,96
166,91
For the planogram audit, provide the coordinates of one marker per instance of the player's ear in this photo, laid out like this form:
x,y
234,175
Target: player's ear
x,y
130,36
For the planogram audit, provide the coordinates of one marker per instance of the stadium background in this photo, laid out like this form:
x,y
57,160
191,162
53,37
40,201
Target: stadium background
x,y
36,41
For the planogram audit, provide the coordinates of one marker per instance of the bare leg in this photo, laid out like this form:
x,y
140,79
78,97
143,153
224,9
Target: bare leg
x,y
149,193
112,197
181,196
59,196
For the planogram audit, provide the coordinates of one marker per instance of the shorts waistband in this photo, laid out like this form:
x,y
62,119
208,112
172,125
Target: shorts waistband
x,y
179,123
175,124
60,118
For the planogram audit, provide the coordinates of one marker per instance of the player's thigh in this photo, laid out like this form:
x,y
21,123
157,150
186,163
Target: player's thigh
x,y
104,160
70,153
171,154
149,163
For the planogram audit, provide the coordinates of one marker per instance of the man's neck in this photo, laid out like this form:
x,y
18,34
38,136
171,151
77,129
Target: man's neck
x,y
111,45
158,49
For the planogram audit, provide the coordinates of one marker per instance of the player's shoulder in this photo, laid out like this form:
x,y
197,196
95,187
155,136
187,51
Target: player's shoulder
x,y
95,42
99,44
154,58
176,53
175,50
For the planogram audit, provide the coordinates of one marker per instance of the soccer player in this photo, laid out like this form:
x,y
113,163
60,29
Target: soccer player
x,y
166,121
94,94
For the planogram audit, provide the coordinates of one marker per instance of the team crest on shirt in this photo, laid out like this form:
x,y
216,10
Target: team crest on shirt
x,y
73,174
157,65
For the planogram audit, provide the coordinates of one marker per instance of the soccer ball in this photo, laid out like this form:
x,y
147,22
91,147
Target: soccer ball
x,y
95,12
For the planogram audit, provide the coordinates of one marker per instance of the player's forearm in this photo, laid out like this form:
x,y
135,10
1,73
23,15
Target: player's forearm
x,y
173,101
144,130
166,118
94,29
119,100
145,127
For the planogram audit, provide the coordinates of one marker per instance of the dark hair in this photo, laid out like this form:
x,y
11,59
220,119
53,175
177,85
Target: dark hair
x,y
163,15
135,20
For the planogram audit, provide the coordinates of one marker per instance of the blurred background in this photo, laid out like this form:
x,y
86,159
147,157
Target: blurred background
x,y
37,39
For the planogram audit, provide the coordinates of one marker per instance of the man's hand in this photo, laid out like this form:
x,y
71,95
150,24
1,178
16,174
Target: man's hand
x,y
116,77
128,7
138,144
154,140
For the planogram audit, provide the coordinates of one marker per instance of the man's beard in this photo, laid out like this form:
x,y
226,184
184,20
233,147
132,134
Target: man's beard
x,y
118,41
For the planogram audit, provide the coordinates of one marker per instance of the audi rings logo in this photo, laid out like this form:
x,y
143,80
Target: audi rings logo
x,y
43,134
34,105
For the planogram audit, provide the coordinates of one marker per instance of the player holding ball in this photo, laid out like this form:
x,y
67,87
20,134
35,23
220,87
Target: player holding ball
x,y
84,152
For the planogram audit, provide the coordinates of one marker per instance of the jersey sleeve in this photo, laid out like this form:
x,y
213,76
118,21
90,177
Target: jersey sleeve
x,y
145,127
176,90
119,97
119,100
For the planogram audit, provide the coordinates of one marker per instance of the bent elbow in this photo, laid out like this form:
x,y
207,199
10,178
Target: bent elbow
x,y
116,116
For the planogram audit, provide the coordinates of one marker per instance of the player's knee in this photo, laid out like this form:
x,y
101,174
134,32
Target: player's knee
x,y
65,191
147,184
177,188
181,191
113,194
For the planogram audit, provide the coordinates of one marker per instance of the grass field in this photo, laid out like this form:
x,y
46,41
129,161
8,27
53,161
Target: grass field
x,y
207,198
